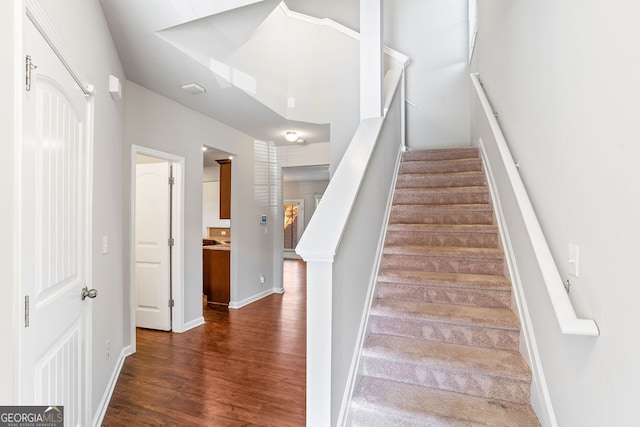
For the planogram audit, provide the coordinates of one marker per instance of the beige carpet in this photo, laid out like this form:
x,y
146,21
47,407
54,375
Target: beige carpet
x,y
442,345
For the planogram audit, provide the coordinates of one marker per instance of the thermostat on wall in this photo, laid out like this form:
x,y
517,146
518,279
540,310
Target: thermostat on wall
x,y
263,219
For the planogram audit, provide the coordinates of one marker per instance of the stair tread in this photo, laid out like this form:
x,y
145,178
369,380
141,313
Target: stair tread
x,y
444,228
481,207
450,280
452,174
448,356
442,154
443,165
443,251
473,159
457,190
426,406
481,317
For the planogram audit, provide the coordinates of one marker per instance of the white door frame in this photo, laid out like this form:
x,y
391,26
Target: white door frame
x,y
177,259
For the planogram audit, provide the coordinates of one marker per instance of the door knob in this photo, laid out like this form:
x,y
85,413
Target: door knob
x,y
91,293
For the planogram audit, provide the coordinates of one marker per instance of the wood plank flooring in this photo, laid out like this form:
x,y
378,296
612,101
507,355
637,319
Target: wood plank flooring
x,y
243,367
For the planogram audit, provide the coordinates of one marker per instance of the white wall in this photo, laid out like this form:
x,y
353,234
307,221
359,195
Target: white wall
x,y
89,43
345,12
303,155
433,34
154,121
211,173
563,78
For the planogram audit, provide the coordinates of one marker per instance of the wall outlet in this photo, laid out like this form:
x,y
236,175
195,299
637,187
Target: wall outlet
x,y
105,244
108,348
262,279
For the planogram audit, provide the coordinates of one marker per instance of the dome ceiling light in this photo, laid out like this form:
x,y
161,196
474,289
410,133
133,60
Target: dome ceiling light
x,y
291,136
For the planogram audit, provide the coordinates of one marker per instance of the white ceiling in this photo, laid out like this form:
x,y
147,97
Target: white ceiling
x,y
164,44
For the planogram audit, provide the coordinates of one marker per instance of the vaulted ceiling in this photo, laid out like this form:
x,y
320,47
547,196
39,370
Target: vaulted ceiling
x,y
243,53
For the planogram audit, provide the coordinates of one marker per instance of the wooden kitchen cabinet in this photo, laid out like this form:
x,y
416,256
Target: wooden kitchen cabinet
x,y
215,276
225,188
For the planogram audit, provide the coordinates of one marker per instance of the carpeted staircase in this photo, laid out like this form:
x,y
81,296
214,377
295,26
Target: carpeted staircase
x,y
442,345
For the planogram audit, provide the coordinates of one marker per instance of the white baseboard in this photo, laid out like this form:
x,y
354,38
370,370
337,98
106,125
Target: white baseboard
x,y
539,389
247,301
192,324
278,290
106,397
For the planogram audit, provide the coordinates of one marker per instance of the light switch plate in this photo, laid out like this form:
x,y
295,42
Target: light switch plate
x,y
574,259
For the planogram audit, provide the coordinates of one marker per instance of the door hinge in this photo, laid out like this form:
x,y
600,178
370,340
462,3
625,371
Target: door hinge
x,y
171,303
26,311
172,180
172,241
28,67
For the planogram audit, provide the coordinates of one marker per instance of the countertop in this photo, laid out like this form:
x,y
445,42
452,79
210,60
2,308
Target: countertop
x,y
221,247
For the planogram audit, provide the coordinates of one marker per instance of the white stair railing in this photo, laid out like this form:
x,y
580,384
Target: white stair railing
x,y
562,306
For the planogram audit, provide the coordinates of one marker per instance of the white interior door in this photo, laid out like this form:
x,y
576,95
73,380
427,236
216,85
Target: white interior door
x,y
152,273
55,236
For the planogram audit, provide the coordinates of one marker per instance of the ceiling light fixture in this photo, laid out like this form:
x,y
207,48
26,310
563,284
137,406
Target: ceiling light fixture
x,y
193,88
291,136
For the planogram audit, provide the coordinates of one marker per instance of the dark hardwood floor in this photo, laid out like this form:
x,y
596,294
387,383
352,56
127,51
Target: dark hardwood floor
x,y
243,367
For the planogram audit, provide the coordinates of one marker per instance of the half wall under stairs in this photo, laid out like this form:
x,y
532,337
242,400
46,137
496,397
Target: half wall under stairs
x,y
442,344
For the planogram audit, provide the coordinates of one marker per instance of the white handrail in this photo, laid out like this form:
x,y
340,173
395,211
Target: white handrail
x,y
322,236
566,315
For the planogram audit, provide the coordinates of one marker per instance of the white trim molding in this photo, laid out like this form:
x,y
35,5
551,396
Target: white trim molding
x,y
539,383
177,319
400,57
111,386
239,304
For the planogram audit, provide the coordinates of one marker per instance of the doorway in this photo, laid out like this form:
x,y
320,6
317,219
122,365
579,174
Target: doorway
x,y
217,232
156,248
302,188
153,243
293,223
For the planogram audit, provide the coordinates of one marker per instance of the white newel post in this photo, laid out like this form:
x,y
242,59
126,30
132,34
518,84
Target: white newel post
x,y
319,323
371,62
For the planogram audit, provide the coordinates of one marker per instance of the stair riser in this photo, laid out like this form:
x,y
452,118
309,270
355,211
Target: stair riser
x,y
468,382
440,198
467,153
467,240
443,264
445,332
443,295
439,181
411,216
442,166
363,417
